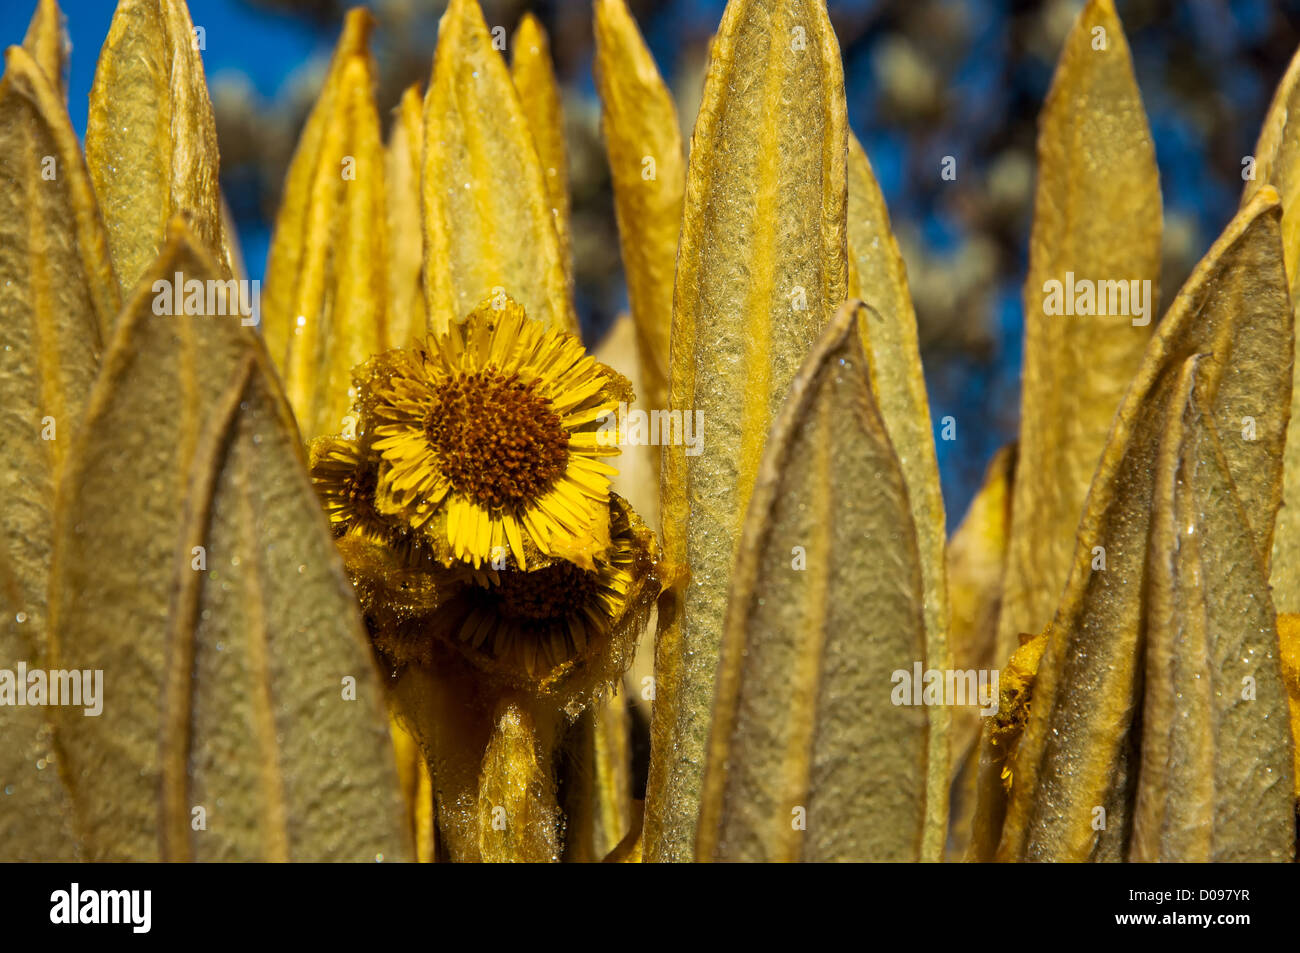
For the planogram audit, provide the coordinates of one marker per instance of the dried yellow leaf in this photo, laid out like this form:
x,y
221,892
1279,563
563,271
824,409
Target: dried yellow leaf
x,y
1076,754
1097,222
1215,782
1288,632
810,756
539,95
151,139
598,808
519,819
987,774
326,270
404,314
1277,163
487,215
234,694
898,385
47,42
273,714
644,144
762,266
975,560
60,296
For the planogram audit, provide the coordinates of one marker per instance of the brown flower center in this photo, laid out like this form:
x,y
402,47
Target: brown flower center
x,y
497,439
550,594
359,487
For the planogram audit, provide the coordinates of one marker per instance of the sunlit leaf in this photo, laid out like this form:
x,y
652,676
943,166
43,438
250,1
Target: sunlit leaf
x,y
1097,219
827,602
1288,632
326,270
648,169
1277,163
404,315
539,96
1077,752
975,560
487,214
417,791
762,266
1216,751
47,42
218,612
151,139
59,298
879,277
637,481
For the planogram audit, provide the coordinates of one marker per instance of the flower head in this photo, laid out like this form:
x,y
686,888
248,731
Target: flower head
x,y
557,630
490,439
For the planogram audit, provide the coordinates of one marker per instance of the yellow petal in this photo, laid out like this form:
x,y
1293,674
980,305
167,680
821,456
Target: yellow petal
x,y
761,269
151,139
487,216
802,727
515,539
1096,218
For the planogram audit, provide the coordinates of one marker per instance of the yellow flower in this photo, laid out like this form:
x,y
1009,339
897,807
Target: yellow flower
x,y
491,438
556,631
345,476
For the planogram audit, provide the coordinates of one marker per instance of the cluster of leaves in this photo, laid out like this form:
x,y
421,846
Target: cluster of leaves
x,y
1152,691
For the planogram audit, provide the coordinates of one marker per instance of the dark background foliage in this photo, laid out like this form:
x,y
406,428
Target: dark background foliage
x,y
926,79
